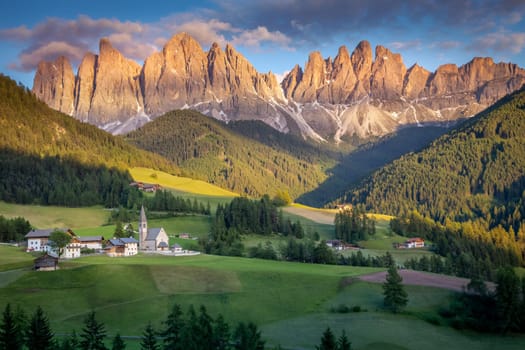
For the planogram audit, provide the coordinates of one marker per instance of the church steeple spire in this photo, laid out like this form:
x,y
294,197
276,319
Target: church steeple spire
x,y
143,228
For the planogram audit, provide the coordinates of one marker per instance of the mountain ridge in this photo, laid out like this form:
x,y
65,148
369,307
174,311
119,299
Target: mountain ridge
x,y
357,94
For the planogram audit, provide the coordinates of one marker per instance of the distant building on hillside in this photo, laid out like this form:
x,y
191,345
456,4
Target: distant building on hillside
x,y
38,241
411,243
122,247
153,239
46,263
91,242
146,187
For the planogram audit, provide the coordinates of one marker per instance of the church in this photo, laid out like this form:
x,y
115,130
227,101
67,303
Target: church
x,y
153,239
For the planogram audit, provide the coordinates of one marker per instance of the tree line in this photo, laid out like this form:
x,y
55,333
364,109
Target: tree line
x,y
467,249
353,225
13,230
193,330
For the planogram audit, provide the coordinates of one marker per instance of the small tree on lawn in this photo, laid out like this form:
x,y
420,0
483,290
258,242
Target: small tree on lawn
x,y
395,295
93,334
39,334
59,240
119,230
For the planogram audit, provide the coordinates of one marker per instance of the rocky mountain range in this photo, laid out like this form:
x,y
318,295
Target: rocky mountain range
x,y
358,94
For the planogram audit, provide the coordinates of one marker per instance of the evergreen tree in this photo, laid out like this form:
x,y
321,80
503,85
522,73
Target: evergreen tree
x,y
10,333
221,334
119,230
173,324
118,343
93,334
205,326
70,342
190,332
149,339
343,343
395,295
508,299
328,341
247,337
39,334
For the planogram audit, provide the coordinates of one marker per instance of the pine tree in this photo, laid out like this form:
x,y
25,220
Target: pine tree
x,y
221,334
343,343
328,341
149,340
10,333
70,342
39,334
118,343
395,295
174,324
247,337
93,334
205,328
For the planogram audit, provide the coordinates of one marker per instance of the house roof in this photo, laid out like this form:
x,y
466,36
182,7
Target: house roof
x,y
118,242
415,239
90,238
40,233
153,233
129,240
176,245
46,261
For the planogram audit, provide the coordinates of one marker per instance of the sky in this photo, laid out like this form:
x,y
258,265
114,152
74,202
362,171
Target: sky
x,y
274,35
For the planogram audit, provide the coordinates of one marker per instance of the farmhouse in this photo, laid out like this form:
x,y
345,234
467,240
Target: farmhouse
x,y
335,244
411,243
46,263
38,241
122,247
146,187
153,239
91,242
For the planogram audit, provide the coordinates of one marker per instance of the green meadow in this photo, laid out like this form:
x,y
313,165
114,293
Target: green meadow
x,y
291,302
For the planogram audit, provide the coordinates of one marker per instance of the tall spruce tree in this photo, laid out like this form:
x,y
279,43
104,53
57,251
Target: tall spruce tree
x,y
70,342
172,332
118,343
39,334
395,296
10,332
343,343
508,299
221,334
328,341
93,334
149,339
247,337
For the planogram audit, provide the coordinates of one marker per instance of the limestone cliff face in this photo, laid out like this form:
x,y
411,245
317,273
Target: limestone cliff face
x,y
357,94
54,83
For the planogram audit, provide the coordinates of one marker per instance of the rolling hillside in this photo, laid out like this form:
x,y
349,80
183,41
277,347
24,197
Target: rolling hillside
x,y
474,172
50,158
208,150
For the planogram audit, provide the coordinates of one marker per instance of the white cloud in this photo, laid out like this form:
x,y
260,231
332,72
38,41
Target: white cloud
x,y
502,41
259,35
405,45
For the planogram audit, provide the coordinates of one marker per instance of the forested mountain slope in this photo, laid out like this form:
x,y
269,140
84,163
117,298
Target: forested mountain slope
x,y
206,149
474,172
48,157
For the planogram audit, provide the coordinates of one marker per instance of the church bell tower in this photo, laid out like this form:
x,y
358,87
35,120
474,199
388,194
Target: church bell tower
x,y
143,228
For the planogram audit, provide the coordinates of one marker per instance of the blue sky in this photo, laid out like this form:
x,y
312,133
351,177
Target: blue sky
x,y
273,34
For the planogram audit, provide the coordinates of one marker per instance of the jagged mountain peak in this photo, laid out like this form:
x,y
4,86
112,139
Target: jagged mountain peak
x,y
361,93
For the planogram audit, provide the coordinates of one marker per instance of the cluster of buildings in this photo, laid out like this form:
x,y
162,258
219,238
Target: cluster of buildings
x,y
146,187
150,240
411,243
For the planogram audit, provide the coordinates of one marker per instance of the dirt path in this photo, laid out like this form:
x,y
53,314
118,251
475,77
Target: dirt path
x,y
420,278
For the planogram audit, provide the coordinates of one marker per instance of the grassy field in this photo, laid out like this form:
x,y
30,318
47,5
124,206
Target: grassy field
x,y
13,258
291,302
183,184
59,217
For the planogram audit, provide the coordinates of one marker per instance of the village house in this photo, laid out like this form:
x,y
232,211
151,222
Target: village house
x,y
411,243
46,263
91,242
146,187
122,247
335,244
38,241
176,248
153,239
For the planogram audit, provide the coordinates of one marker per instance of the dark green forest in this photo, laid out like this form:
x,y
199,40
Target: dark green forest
x,y
49,158
476,172
208,150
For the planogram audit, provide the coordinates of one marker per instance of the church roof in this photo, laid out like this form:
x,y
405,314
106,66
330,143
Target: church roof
x,y
163,245
153,233
142,215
